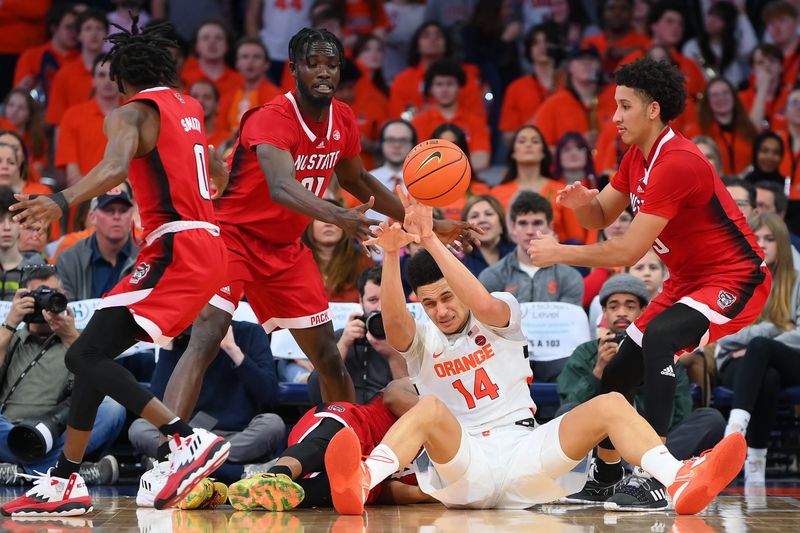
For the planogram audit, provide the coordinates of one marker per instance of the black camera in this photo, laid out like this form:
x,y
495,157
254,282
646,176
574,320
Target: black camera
x,y
45,298
374,323
33,438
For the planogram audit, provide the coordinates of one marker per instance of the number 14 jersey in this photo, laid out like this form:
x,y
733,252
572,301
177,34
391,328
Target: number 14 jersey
x,y
482,373
316,148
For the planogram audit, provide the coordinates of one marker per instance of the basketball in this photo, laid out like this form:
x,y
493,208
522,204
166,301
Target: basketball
x,y
436,172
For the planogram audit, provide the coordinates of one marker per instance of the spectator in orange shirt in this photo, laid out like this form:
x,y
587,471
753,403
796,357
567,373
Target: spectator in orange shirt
x,y
781,19
368,56
573,162
206,93
211,44
724,119
529,168
524,95
21,27
81,141
765,98
24,115
73,82
37,66
618,38
444,80
577,106
252,63
430,43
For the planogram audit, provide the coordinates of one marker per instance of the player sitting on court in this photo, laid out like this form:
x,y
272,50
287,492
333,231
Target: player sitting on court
x,y
287,485
474,418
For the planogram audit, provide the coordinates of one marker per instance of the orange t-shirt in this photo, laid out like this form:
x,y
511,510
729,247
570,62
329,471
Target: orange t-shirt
x,y
565,223
71,86
371,111
81,138
359,18
474,127
226,84
790,165
563,112
625,44
233,106
409,85
695,81
522,98
737,152
22,24
773,108
41,61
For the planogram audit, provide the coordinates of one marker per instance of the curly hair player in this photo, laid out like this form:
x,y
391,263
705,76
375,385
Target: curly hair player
x,y
718,280
157,140
474,418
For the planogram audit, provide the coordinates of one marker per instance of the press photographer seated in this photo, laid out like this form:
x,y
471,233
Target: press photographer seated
x,y
35,385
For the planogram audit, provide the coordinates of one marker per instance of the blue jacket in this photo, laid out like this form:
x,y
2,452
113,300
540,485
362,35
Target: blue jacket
x,y
232,395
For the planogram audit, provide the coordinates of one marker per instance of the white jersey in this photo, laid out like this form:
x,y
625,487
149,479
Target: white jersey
x,y
482,373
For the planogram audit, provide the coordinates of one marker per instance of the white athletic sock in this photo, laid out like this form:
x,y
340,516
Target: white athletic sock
x,y
660,464
737,422
382,463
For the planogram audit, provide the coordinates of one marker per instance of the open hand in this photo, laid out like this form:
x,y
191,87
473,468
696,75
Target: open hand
x,y
354,223
575,195
38,210
391,237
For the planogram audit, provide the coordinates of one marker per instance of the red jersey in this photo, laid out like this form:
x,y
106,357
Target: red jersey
x,y
316,148
171,182
706,237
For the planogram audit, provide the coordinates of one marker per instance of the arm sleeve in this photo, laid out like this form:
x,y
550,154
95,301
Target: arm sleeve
x,y
257,371
576,382
270,125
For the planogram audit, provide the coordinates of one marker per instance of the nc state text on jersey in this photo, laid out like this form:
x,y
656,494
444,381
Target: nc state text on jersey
x,y
316,161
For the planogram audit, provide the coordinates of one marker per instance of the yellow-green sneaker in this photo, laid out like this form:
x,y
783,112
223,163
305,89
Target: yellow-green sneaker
x,y
198,496
273,492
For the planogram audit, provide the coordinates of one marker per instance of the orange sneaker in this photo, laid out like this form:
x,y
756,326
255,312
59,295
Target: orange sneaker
x,y
700,480
347,473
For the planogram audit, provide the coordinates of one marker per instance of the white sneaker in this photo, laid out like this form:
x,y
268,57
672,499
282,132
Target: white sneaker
x,y
151,483
51,496
193,458
755,469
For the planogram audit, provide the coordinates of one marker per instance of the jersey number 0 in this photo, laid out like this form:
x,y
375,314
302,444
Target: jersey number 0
x,y
202,171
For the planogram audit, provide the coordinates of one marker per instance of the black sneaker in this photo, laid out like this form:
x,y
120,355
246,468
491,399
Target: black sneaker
x,y
593,492
103,472
638,492
8,474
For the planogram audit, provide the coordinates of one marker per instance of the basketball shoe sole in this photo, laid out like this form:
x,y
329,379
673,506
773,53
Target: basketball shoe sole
x,y
184,480
347,474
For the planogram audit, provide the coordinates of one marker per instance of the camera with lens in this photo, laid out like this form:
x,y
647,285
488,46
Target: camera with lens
x,y
374,324
33,438
45,298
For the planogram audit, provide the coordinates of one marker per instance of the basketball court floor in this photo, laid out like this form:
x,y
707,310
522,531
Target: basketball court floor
x,y
116,511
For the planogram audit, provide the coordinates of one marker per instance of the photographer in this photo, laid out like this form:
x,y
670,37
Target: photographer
x,y
35,385
371,362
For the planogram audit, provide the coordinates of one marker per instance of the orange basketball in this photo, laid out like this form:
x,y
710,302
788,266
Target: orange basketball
x,y
436,172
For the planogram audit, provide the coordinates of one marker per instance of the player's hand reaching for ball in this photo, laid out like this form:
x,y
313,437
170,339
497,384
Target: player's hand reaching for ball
x,y
419,217
575,195
354,223
391,237
35,210
543,250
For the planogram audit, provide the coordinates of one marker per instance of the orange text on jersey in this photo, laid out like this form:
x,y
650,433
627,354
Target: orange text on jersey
x,y
464,363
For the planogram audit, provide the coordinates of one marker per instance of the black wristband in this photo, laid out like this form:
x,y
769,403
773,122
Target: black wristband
x,y
12,329
61,201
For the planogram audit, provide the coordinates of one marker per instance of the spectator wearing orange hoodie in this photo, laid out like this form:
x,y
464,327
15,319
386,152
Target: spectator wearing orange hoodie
x,y
723,118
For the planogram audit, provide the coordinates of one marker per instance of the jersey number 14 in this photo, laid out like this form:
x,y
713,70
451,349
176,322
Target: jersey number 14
x,y
482,388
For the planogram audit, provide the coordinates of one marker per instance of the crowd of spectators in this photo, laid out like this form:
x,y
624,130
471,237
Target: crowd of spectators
x,y
524,87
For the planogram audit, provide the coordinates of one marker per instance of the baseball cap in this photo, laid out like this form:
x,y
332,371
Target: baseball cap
x,y
627,284
103,200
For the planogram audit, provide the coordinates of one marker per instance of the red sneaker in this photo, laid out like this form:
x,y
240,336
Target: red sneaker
x,y
700,480
51,496
347,473
192,458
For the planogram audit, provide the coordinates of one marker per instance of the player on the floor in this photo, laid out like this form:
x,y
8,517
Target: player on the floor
x,y
475,417
287,485
157,141
281,166
718,281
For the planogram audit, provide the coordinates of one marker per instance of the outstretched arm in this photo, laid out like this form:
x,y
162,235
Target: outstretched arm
x,y
132,130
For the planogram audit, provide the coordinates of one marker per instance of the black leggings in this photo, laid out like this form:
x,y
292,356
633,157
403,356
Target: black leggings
x,y
310,453
757,379
110,332
676,328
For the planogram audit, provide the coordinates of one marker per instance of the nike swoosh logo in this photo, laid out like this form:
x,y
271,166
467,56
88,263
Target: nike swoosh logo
x,y
437,355
434,155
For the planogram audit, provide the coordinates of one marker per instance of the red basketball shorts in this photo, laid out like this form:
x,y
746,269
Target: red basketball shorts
x,y
173,280
728,304
281,281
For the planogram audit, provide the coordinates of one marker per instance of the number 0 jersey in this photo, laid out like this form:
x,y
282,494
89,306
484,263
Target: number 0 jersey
x,y
482,373
171,182
316,148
